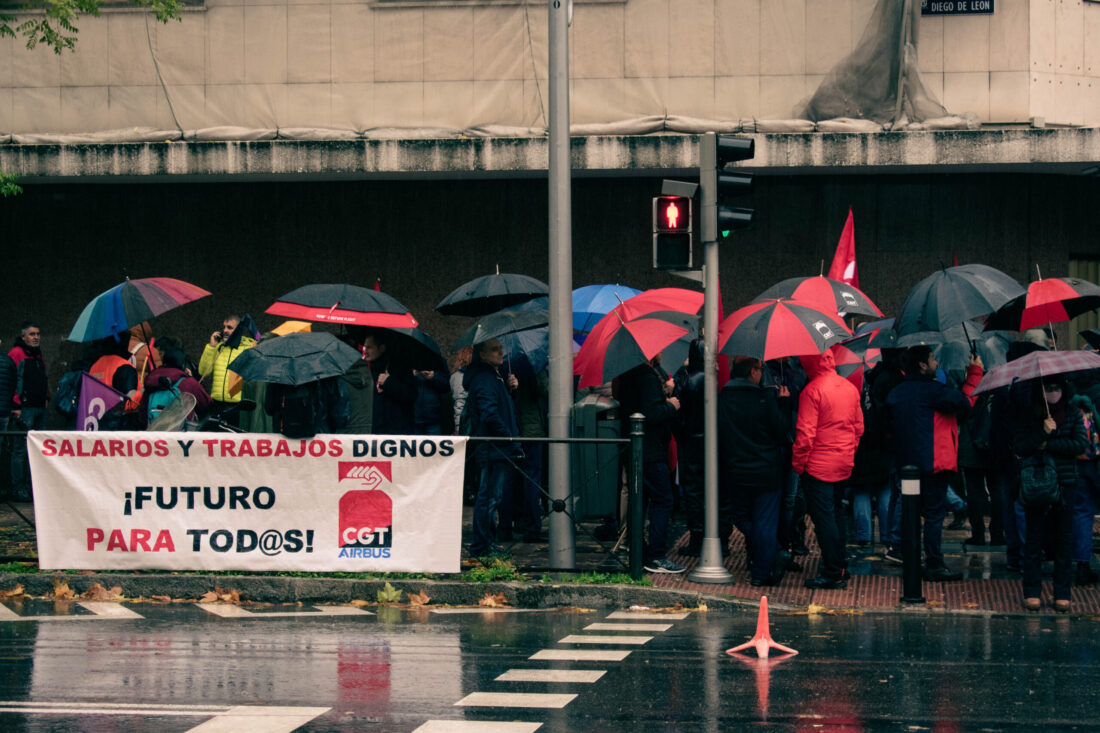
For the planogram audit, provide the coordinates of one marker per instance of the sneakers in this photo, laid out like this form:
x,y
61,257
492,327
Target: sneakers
x,y
893,557
1061,606
1031,604
942,575
663,565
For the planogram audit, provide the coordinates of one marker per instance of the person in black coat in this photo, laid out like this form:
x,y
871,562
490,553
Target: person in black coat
x,y
689,390
754,436
490,413
394,388
1048,423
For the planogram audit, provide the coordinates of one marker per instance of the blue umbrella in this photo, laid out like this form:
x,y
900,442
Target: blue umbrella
x,y
593,302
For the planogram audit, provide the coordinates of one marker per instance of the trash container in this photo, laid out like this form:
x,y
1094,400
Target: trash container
x,y
595,466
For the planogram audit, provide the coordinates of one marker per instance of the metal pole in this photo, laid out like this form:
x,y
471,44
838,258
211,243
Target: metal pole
x,y
710,568
562,548
634,499
910,534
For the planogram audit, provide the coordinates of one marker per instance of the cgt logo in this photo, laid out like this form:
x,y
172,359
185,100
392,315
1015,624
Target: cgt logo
x,y
366,515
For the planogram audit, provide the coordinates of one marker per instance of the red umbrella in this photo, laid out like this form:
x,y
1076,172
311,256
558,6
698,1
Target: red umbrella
x,y
854,359
779,328
1053,300
617,345
824,292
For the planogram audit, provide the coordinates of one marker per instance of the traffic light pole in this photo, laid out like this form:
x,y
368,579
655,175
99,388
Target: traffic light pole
x,y
710,568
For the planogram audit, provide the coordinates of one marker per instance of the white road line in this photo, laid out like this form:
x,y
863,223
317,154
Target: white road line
x,y
581,655
628,627
598,639
517,700
223,719
552,675
487,609
230,611
101,610
476,726
644,616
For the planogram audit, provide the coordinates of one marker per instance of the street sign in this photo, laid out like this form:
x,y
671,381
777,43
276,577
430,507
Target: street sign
x,y
956,7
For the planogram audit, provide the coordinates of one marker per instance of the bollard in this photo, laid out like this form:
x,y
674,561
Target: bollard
x,y
910,535
634,498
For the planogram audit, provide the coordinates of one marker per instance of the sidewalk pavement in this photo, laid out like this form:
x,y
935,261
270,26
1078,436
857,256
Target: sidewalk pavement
x,y
987,587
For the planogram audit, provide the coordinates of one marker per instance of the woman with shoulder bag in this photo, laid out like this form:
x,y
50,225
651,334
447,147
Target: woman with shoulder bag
x,y
1048,433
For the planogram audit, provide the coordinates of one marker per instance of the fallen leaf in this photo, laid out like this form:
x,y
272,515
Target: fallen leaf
x,y
98,593
209,597
61,591
16,592
493,600
815,608
162,599
227,596
702,607
419,599
970,605
359,603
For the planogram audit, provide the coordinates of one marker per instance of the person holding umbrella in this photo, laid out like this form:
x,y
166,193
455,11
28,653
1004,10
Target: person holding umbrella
x,y
235,336
923,416
1047,423
394,387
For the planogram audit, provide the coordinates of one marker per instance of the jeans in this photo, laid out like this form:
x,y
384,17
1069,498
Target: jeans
x,y
1084,510
659,498
530,516
496,478
933,507
1040,521
861,513
955,502
825,504
792,510
756,515
31,418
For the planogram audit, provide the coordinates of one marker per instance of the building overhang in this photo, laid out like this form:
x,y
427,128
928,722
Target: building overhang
x,y
1062,151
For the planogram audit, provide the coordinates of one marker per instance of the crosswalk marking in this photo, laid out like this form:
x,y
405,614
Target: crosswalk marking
x,y
230,611
581,655
627,627
476,726
645,616
223,718
598,639
552,675
517,699
100,609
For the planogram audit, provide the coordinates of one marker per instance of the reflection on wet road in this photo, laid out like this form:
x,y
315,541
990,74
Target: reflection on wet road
x,y
180,668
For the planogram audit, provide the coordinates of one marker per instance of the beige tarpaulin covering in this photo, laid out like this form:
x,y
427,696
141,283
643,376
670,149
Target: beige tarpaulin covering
x,y
234,70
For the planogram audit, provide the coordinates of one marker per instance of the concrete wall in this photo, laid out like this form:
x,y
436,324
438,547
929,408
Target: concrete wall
x,y
364,65
250,243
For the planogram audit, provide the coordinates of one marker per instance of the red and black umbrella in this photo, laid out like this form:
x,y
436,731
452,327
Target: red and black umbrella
x,y
1053,300
854,358
779,328
350,305
824,292
623,345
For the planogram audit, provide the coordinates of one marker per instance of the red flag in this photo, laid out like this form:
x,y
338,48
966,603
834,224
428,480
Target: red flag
x,y
378,284
844,261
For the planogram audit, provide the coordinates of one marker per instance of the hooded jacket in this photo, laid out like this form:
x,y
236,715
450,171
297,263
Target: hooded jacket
x,y
31,389
754,433
215,360
830,422
924,420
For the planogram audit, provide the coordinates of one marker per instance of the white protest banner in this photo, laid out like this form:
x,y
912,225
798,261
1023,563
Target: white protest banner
x,y
218,501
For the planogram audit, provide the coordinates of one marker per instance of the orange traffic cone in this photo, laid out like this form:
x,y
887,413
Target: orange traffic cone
x,y
762,641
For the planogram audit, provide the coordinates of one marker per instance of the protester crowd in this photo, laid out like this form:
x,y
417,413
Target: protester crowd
x,y
795,439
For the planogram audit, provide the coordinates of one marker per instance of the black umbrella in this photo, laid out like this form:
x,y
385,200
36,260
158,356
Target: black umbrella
x,y
343,303
500,323
491,293
296,358
416,349
954,295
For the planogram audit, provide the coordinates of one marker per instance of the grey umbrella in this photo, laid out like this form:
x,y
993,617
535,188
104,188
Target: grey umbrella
x,y
296,358
954,295
500,323
491,293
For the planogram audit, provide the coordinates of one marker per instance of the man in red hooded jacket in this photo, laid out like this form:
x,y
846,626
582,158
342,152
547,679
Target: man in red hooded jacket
x,y
830,422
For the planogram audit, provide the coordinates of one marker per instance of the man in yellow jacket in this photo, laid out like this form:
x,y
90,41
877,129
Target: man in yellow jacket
x,y
225,346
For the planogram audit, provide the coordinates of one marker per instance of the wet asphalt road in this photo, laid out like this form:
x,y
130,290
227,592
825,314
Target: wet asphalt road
x,y
180,668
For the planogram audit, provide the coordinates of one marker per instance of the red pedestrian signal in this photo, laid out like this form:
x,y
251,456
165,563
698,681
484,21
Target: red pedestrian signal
x,y
672,232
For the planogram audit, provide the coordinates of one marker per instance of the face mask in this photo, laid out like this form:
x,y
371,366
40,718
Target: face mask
x,y
1053,396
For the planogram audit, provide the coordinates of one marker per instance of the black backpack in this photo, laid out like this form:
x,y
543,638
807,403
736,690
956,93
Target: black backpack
x,y
67,398
297,411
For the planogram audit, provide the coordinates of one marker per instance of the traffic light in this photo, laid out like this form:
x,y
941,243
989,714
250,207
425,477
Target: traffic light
x,y
729,149
672,232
